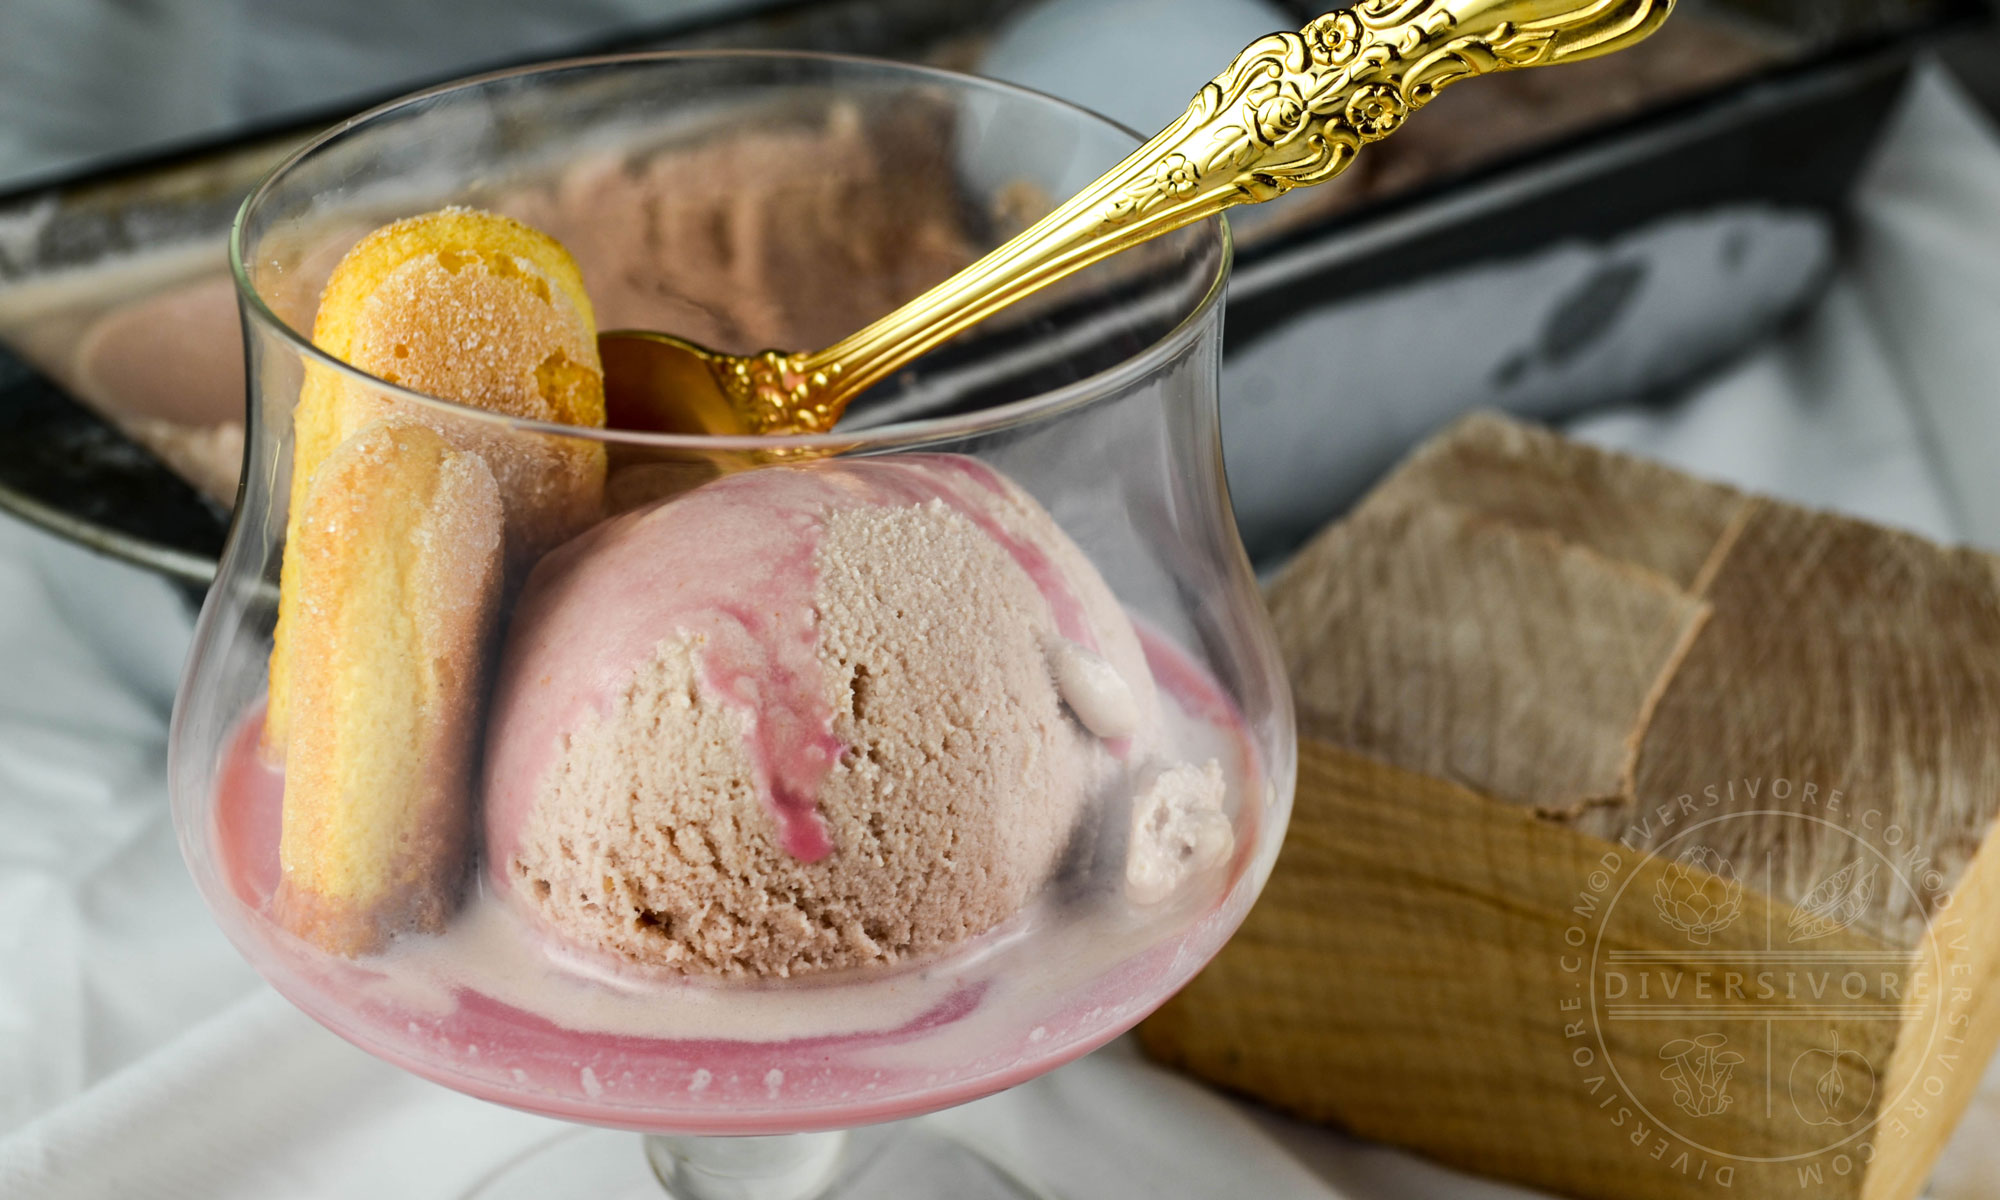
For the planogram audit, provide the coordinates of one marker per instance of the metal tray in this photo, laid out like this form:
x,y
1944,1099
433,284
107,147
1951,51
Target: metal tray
x,y
1540,273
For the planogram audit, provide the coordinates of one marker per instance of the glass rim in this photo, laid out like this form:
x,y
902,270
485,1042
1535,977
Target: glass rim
x,y
1036,407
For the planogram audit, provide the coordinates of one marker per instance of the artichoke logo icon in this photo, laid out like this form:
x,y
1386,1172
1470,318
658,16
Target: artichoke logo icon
x,y
1699,895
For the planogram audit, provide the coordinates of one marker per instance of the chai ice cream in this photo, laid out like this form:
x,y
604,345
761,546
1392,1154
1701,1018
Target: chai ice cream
x,y
807,718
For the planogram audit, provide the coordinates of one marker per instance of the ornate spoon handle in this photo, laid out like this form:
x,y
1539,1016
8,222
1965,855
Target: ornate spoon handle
x,y
1293,110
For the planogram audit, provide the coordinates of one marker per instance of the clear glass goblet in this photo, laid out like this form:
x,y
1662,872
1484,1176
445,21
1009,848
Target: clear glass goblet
x,y
746,200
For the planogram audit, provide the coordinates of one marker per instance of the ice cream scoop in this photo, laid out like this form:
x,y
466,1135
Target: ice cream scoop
x,y
1293,109
805,718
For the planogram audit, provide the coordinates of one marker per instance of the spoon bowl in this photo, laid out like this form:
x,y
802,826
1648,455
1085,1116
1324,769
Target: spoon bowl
x,y
658,382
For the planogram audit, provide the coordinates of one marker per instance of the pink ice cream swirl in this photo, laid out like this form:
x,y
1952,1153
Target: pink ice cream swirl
x,y
731,567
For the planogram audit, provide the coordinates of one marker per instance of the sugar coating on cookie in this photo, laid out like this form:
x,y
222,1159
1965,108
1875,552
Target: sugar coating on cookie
x,y
478,309
400,546
468,306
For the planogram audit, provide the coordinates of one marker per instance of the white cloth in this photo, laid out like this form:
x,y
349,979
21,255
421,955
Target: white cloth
x,y
1881,404
139,1057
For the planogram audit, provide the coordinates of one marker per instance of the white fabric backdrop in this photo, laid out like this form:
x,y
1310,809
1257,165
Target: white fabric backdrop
x,y
139,1057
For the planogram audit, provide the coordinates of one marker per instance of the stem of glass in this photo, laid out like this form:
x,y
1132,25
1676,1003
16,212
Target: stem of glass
x,y
797,1166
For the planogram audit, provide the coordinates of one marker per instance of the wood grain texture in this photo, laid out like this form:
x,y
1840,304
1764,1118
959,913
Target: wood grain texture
x,y
1446,642
1625,509
1764,960
1844,653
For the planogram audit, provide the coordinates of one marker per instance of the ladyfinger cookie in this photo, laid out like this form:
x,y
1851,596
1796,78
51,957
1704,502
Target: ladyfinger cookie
x,y
472,307
400,541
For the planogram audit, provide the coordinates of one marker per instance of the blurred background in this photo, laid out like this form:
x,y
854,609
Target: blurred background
x,y
1608,234
86,81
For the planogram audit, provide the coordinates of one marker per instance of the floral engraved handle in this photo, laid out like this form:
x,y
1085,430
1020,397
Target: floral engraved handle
x,y
1294,109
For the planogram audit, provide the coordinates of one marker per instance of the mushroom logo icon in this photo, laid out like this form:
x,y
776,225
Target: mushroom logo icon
x,y
1699,1068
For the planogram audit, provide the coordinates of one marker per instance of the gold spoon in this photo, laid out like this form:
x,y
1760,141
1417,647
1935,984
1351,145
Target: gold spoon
x,y
1293,110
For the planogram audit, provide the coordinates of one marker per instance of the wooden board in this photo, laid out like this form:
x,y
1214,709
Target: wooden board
x,y
1399,650
1626,509
1845,653
1762,962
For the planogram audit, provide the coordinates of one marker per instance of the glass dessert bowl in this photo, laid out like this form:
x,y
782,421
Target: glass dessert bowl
x,y
724,790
